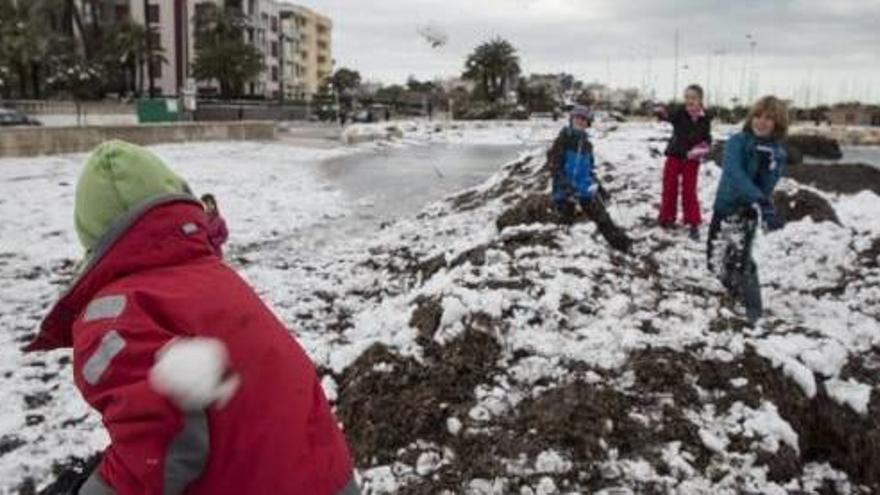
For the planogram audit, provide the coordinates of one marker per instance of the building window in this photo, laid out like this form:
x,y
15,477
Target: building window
x,y
153,14
322,59
121,12
157,69
274,24
155,40
265,18
274,73
275,49
202,11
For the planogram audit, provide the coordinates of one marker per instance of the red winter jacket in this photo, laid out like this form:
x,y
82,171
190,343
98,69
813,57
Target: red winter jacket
x,y
155,277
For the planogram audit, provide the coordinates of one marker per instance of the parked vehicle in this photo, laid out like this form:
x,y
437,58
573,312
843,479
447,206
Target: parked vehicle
x,y
10,117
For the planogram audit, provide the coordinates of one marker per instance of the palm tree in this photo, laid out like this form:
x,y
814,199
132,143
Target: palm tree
x,y
222,54
129,42
492,65
26,40
125,54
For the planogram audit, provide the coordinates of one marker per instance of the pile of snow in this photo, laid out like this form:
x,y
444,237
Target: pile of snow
x,y
530,360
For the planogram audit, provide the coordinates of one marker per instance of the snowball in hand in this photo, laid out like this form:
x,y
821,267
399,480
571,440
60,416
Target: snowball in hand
x,y
192,373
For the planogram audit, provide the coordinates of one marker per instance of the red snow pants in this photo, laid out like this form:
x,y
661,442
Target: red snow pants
x,y
688,170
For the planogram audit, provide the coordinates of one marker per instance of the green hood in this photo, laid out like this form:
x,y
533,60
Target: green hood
x,y
118,177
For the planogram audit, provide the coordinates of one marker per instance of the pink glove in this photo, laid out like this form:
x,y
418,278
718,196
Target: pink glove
x,y
661,112
698,152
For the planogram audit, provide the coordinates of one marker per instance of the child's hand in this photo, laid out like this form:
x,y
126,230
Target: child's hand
x,y
698,152
769,216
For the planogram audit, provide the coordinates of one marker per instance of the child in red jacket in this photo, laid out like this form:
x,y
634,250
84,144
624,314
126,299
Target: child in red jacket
x,y
202,389
691,137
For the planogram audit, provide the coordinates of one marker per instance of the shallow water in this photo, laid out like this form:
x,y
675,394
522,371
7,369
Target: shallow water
x,y
399,182
869,155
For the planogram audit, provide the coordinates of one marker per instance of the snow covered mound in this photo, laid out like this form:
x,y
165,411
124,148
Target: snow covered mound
x,y
533,359
481,347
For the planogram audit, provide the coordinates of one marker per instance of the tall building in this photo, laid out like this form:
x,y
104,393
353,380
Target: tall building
x,y
295,43
171,22
264,33
292,72
313,58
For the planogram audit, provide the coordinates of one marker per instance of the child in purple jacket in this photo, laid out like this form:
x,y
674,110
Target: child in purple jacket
x,y
217,233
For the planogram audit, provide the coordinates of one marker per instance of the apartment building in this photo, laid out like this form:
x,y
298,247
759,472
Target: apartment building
x,y
312,61
172,30
295,43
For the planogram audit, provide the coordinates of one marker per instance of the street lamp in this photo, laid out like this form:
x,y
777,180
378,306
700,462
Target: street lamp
x,y
752,45
719,94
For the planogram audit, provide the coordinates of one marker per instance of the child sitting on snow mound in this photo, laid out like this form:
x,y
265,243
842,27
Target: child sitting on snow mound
x,y
571,162
201,388
753,163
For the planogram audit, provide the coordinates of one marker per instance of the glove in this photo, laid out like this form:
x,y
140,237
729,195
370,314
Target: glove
x,y
770,218
661,112
698,152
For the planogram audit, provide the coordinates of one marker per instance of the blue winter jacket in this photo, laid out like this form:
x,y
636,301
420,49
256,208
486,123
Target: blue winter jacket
x,y
743,180
571,160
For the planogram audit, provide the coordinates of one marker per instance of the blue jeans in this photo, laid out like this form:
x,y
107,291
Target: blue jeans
x,y
729,255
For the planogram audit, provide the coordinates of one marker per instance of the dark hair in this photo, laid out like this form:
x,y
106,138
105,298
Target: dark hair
x,y
695,88
209,198
775,109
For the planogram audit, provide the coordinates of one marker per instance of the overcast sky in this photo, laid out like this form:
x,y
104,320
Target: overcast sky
x,y
816,50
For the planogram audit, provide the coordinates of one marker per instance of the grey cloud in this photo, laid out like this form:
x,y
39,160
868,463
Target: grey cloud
x,y
838,38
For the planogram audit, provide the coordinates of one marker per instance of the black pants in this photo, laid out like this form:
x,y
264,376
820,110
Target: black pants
x,y
595,209
729,256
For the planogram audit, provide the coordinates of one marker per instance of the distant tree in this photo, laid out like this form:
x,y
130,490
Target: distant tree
x,y
414,84
390,93
345,80
125,53
536,98
222,54
77,78
5,81
26,44
493,66
567,82
585,97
